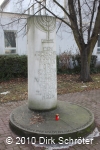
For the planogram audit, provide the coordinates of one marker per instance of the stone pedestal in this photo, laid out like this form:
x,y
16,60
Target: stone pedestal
x,y
75,122
42,82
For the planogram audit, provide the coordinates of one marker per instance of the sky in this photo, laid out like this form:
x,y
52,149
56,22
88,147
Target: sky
x,y
1,1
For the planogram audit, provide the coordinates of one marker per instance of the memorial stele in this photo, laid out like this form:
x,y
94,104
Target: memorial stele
x,y
42,78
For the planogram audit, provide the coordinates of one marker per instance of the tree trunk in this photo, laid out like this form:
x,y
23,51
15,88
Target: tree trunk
x,y
85,66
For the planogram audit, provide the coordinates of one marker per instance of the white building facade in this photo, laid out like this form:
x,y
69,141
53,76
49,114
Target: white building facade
x,y
13,38
17,13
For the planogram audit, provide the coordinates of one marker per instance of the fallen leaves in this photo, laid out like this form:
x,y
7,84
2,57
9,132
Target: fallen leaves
x,y
70,84
65,84
36,119
18,90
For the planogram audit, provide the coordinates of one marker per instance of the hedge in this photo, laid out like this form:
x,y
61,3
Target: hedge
x,y
12,66
64,64
77,66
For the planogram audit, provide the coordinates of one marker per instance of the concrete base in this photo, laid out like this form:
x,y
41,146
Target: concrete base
x,y
74,121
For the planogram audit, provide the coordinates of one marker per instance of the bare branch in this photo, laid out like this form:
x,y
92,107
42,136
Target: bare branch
x,y
12,21
88,6
92,16
80,17
74,23
62,9
62,19
96,30
59,27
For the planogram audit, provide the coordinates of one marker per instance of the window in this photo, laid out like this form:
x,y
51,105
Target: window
x,y
98,45
10,42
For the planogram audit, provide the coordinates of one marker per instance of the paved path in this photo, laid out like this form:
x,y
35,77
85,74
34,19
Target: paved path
x,y
89,99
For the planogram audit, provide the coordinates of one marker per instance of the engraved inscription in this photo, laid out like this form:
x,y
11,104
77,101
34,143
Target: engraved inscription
x,y
46,78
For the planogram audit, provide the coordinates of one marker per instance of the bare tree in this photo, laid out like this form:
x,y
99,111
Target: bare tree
x,y
83,18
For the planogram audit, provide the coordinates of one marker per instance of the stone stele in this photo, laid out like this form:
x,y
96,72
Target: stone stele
x,y
42,78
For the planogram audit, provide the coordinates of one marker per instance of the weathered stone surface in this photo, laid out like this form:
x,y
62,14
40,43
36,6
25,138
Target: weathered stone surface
x,y
75,121
42,78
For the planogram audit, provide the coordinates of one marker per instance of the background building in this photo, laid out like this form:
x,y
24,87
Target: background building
x,y
17,13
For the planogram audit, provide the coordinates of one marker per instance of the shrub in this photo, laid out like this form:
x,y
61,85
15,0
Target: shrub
x,y
12,66
63,62
77,63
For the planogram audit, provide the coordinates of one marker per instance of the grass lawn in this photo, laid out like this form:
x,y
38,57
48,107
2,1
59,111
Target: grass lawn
x,y
65,84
